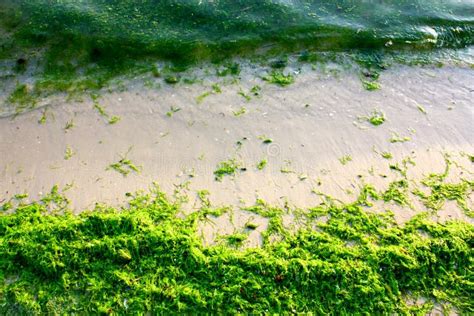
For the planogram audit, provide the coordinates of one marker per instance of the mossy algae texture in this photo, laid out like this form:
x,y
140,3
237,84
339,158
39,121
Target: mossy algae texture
x,y
147,257
186,30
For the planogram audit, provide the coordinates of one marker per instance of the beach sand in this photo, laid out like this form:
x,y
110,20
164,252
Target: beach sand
x,y
312,123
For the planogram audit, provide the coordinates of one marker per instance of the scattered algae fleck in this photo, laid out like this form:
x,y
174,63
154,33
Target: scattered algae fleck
x,y
102,112
279,78
124,166
69,125
228,167
345,159
68,153
240,111
172,111
396,138
421,109
371,85
262,164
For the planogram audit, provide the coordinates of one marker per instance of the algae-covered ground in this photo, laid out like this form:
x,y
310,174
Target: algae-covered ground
x,y
151,255
148,256
244,100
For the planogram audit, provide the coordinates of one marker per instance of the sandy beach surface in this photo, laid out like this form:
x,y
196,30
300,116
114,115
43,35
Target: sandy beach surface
x,y
321,140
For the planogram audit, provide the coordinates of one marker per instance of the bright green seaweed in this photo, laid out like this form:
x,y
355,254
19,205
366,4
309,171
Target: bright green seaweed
x,y
147,258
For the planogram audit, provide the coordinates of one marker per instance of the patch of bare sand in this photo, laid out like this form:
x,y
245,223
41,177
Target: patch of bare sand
x,y
313,124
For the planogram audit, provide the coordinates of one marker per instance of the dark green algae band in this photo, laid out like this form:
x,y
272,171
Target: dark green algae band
x,y
145,258
191,30
78,47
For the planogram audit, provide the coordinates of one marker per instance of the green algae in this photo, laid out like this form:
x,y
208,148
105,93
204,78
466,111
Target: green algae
x,y
146,258
229,69
69,125
202,96
254,91
371,85
23,97
172,79
227,168
172,111
441,191
68,153
124,166
244,95
114,119
344,160
44,117
262,164
421,109
265,140
241,111
376,118
215,90
235,240
203,196
279,78
251,225
111,120
385,154
286,168
397,192
396,138
81,47
100,109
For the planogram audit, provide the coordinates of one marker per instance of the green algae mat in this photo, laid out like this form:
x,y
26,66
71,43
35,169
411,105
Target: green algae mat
x,y
148,257
68,36
193,29
77,47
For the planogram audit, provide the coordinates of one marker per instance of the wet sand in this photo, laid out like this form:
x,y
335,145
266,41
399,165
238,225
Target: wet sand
x,y
313,124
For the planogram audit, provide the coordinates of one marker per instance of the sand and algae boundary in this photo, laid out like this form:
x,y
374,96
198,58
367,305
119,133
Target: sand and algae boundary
x,y
149,256
153,255
33,87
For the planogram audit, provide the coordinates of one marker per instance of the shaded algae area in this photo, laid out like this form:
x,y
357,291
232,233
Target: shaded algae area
x,y
75,47
149,256
192,30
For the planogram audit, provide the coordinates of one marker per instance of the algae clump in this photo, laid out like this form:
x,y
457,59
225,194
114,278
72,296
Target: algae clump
x,y
279,78
227,168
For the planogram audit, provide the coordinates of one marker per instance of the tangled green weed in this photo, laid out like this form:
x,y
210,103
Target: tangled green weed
x,y
144,258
